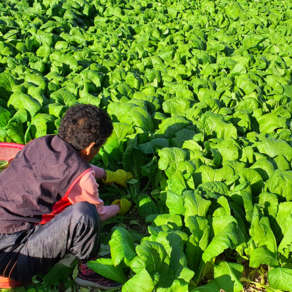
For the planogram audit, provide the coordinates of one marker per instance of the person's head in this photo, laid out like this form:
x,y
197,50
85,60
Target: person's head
x,y
86,128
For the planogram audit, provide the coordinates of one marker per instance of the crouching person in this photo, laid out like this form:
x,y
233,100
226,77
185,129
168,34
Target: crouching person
x,y
49,201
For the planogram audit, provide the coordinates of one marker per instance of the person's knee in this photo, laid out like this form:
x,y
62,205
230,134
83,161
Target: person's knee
x,y
85,225
84,207
85,211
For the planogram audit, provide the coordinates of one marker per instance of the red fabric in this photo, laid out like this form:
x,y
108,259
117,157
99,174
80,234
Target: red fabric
x,y
63,203
9,150
6,283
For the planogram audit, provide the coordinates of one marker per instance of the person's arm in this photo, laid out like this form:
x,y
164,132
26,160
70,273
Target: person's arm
x,y
100,173
87,190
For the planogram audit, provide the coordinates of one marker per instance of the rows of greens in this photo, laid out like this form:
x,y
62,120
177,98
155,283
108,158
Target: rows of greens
x,y
200,96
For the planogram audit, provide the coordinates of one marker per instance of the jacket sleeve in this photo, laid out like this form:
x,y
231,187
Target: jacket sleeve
x,y
86,189
99,172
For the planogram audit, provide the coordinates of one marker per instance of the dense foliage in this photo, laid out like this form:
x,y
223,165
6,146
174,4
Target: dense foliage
x,y
200,96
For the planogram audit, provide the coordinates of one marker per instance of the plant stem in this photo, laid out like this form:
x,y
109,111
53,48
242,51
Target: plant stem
x,y
262,272
257,284
146,187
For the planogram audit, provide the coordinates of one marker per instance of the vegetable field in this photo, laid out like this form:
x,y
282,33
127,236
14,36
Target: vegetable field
x,y
200,96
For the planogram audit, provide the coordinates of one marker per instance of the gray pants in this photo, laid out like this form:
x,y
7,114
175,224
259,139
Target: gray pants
x,y
27,253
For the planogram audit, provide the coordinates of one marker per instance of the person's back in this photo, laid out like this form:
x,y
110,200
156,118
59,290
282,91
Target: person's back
x,y
37,179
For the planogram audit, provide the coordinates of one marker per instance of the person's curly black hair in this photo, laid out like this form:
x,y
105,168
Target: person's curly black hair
x,y
83,124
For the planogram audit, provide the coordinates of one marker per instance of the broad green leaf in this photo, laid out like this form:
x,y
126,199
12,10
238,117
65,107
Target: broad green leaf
x,y
235,165
133,160
270,122
282,163
210,287
182,136
198,241
227,275
207,174
14,129
137,264
176,106
261,231
141,282
264,167
224,203
41,125
19,100
142,118
166,282
221,221
146,206
114,143
169,219
175,203
6,84
134,81
228,150
280,183
187,169
155,258
286,242
195,204
106,268
225,239
63,97
170,126
255,180
248,103
270,202
247,155
95,77
242,121
54,109
5,116
251,41
199,228
169,159
262,255
122,246
284,218
273,147
213,189
280,278
204,93
192,145
118,75
242,196
151,146
215,123
177,183
90,99
179,285
178,260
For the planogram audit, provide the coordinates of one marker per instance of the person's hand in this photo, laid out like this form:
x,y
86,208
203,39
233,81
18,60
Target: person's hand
x,y
124,205
120,177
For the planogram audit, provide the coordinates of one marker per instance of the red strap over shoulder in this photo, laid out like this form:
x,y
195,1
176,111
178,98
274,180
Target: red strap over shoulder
x,y
62,204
